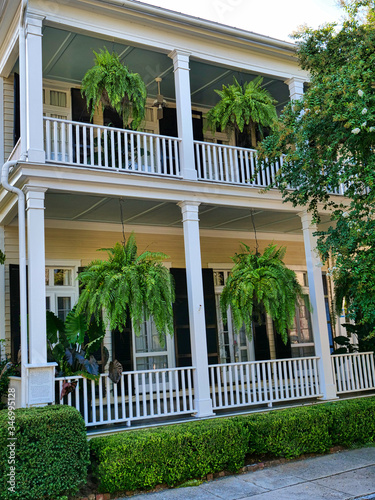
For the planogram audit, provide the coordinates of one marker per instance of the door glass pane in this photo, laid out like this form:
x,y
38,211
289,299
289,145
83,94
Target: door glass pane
x,y
64,306
62,277
152,362
48,303
157,344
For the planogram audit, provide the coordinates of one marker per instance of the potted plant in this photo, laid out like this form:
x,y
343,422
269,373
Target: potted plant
x,y
111,83
128,285
244,109
258,284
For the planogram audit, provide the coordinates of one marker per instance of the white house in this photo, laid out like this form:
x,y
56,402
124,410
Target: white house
x,y
182,190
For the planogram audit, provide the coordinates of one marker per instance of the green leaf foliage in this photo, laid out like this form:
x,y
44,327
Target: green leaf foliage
x,y
2,257
261,283
328,139
111,83
51,453
183,452
241,107
128,285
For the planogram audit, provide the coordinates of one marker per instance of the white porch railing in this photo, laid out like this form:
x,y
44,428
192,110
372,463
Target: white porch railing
x,y
354,371
260,382
116,149
138,395
233,165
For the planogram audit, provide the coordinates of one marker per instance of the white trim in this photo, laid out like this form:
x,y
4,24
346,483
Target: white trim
x,y
63,263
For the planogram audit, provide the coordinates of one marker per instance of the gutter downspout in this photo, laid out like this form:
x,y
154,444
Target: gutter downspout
x,y
22,267
22,64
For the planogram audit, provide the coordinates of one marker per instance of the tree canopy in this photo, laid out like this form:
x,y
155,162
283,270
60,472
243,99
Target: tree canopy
x,y
328,139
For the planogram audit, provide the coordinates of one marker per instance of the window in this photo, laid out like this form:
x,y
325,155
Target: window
x,y
233,347
61,290
151,352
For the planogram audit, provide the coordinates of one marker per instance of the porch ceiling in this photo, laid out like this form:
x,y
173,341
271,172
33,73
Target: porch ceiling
x,y
73,207
67,56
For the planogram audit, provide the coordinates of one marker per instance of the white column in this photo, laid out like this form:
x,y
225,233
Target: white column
x,y
197,321
36,274
34,89
295,88
318,314
184,115
2,295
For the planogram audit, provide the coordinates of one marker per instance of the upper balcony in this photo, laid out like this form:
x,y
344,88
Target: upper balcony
x,y
54,124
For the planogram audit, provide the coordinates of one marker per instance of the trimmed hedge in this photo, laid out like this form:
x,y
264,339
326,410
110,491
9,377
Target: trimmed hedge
x,y
144,458
51,453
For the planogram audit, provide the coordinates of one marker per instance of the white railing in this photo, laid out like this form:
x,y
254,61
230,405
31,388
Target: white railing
x,y
233,165
138,395
263,382
354,371
116,149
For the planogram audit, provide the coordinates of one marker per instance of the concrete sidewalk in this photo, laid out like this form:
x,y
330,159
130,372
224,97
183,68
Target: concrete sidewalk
x,y
342,476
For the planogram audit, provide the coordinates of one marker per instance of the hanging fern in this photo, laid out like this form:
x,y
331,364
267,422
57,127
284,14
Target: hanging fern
x,y
127,285
261,284
2,257
111,83
242,108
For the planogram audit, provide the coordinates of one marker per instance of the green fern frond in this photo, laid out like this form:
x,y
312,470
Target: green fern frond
x,y
242,106
128,285
110,82
261,282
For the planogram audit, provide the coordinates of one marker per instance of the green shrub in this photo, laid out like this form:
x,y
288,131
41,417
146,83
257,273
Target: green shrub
x,y
51,453
144,458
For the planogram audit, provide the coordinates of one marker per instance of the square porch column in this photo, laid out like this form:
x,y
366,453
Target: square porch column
x,y
318,314
197,320
184,115
40,374
295,88
34,89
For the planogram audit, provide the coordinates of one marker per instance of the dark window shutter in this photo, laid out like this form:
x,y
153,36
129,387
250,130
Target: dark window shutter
x,y
181,317
16,109
122,346
15,319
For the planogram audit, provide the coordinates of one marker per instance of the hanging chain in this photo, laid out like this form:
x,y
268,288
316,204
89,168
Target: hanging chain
x,y
255,233
121,201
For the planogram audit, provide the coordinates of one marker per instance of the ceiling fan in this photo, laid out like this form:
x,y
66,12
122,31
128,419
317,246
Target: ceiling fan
x,y
159,102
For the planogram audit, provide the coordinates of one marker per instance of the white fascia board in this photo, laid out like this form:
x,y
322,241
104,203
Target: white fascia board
x,y
9,44
205,45
117,184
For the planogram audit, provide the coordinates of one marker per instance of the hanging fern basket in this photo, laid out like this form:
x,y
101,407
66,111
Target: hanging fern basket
x,y
128,285
111,83
258,284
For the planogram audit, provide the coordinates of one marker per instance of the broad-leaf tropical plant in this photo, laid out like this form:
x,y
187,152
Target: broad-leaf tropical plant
x,y
128,285
111,83
243,108
258,284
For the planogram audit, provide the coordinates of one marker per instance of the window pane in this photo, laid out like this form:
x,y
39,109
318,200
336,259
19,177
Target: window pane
x,y
156,343
47,276
63,307
62,277
152,363
58,98
219,278
48,303
141,339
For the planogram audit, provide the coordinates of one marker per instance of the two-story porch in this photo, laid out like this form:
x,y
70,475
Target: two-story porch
x,y
184,191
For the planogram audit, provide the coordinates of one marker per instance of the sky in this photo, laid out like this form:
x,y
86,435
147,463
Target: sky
x,y
275,18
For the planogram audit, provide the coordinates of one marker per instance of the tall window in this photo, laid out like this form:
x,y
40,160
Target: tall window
x,y
150,352
61,290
